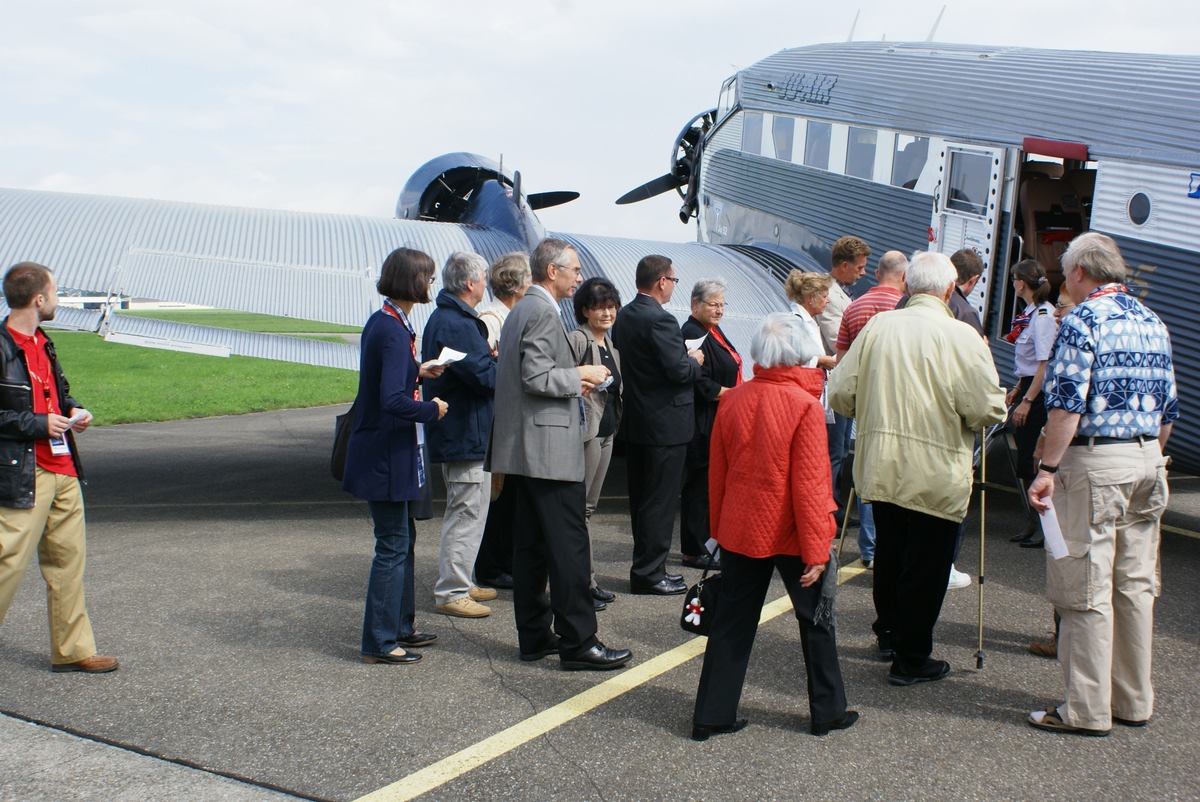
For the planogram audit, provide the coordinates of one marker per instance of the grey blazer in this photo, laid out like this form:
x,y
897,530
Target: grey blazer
x,y
586,352
537,428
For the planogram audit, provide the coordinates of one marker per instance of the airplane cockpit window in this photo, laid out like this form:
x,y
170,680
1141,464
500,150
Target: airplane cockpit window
x,y
728,99
860,152
816,145
783,131
970,176
911,154
752,126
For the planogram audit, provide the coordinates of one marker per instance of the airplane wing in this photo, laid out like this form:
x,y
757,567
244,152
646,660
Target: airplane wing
x,y
317,267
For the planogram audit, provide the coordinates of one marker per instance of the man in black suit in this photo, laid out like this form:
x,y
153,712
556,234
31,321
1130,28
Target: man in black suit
x,y
659,420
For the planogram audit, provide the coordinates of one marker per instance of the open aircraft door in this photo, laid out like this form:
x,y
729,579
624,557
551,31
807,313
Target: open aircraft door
x,y
967,208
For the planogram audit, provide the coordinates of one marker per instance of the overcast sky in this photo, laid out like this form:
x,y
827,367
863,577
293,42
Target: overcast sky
x,y
329,107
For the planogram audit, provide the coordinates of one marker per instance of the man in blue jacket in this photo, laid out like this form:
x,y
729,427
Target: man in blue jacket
x,y
459,440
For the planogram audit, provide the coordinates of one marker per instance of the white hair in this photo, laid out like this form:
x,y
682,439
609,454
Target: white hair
x,y
780,342
930,273
460,268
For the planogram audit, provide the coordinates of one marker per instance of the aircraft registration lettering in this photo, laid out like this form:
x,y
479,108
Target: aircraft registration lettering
x,y
809,87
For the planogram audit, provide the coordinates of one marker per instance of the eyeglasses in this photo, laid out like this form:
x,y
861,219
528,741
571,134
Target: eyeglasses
x,y
672,278
432,279
577,269
714,304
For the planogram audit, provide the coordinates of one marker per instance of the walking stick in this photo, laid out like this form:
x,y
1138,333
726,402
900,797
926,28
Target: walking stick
x,y
845,522
982,536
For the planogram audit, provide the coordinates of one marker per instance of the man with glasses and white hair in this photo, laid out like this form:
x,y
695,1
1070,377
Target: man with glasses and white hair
x,y
537,442
920,384
459,439
1110,395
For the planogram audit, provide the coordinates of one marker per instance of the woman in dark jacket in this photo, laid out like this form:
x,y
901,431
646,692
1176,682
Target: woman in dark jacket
x,y
382,459
721,370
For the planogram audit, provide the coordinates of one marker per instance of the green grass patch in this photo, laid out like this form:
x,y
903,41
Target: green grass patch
x,y
129,384
243,321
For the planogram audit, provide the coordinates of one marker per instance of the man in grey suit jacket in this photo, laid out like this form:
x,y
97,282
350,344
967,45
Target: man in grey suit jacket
x,y
537,442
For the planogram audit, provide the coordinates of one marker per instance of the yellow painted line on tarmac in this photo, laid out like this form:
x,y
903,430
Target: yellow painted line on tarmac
x,y
487,750
1177,531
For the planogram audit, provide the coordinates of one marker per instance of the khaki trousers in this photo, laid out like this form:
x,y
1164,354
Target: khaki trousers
x,y
55,528
468,495
1109,499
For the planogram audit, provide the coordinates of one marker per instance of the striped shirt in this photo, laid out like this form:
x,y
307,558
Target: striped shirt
x,y
1112,366
863,308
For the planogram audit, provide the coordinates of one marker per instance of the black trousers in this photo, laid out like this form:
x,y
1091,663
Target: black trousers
x,y
655,474
551,542
1026,436
495,555
693,499
913,554
744,588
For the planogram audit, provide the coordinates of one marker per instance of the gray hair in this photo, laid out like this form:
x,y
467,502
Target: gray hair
x,y
893,263
548,252
460,268
780,342
1099,257
930,273
706,288
509,273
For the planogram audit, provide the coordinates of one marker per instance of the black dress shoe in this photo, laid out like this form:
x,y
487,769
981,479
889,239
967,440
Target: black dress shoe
x,y
502,581
1032,542
701,562
664,588
407,657
600,594
419,639
842,722
533,657
930,671
599,605
597,658
674,577
701,732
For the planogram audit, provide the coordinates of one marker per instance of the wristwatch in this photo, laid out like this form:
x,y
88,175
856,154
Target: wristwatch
x,y
1047,468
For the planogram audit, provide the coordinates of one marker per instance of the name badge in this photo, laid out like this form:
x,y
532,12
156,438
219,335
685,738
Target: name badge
x,y
59,447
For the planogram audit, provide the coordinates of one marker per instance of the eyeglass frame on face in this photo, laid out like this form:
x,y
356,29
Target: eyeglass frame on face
x,y
713,304
577,269
672,278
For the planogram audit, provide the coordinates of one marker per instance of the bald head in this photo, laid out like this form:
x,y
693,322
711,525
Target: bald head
x,y
890,272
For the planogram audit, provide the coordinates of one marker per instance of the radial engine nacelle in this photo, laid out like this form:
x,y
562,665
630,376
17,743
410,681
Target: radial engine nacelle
x,y
471,189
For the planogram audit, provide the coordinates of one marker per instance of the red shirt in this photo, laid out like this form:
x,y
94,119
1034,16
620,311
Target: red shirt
x,y
863,308
45,398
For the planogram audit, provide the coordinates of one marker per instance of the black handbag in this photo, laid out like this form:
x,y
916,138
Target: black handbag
x,y
342,426
700,604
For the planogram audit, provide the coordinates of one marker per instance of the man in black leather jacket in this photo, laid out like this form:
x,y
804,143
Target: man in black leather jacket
x,y
41,505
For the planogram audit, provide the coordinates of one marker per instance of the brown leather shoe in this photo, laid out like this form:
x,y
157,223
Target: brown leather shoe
x,y
1045,648
96,664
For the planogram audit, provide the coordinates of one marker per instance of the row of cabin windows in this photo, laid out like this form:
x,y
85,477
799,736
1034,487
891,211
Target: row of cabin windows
x,y
909,153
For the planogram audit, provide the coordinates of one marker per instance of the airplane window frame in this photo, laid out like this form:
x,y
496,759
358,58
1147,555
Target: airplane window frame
x,y
783,135
964,166
912,171
860,156
752,133
813,145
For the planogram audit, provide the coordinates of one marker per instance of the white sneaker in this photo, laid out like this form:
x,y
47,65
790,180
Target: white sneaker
x,y
957,579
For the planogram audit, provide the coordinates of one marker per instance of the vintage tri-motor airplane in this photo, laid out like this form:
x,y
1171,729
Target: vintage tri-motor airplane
x,y
1010,151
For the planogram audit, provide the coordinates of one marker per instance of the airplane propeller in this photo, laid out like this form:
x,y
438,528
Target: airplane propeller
x,y
685,167
544,200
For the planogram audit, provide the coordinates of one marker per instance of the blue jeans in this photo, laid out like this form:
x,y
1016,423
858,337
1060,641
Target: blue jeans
x,y
866,530
391,602
839,447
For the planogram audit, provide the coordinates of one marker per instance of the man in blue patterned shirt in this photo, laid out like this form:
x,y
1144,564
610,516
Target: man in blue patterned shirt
x,y
1110,395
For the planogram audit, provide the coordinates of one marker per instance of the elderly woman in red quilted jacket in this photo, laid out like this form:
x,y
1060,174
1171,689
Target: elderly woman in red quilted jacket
x,y
771,504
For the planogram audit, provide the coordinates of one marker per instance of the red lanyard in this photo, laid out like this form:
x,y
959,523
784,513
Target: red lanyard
x,y
736,358
398,313
1107,289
